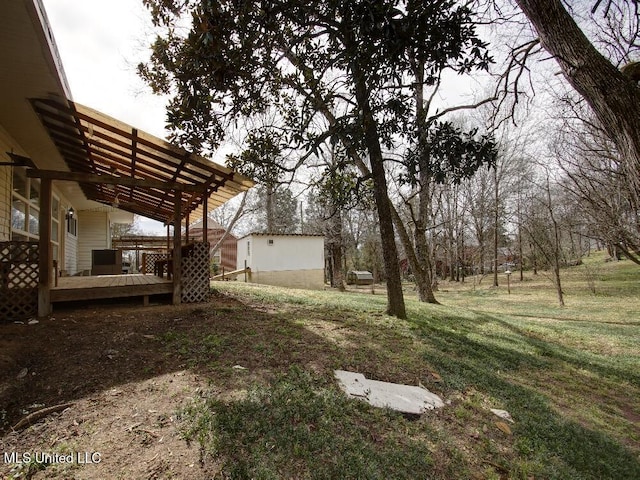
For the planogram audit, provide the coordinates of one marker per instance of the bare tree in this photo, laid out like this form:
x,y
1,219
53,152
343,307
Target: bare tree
x,y
542,226
599,187
613,96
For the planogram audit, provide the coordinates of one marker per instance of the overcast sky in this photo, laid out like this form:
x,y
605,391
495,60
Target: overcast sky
x,y
100,43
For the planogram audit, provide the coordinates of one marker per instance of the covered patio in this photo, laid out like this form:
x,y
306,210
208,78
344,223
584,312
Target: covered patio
x,y
122,167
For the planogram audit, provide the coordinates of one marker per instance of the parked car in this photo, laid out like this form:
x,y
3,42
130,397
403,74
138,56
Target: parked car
x,y
126,267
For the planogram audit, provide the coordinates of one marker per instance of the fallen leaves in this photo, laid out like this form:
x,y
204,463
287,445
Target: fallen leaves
x,y
504,427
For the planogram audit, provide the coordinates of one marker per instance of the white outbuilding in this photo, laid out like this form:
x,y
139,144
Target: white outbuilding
x,y
286,260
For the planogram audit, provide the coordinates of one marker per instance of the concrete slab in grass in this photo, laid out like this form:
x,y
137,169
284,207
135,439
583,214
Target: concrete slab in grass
x,y
403,398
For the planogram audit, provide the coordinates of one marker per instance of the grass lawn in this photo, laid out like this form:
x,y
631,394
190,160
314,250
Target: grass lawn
x,y
569,377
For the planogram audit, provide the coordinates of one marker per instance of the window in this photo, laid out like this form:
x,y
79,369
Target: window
x,y
270,241
34,221
25,210
18,215
248,248
72,226
25,214
34,191
55,208
55,227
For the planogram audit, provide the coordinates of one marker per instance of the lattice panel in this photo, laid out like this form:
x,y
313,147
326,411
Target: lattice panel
x,y
150,260
195,274
18,280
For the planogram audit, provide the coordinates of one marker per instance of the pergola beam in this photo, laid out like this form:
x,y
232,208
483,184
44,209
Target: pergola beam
x,y
112,180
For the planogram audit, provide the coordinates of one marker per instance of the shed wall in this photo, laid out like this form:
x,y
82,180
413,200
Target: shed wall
x,y
308,279
286,253
292,261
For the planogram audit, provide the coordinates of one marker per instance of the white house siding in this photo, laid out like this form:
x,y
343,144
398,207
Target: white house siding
x,y
295,261
70,253
93,234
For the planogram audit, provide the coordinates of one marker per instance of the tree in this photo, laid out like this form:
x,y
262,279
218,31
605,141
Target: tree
x,y
121,229
310,56
336,191
263,160
598,186
542,225
613,96
275,210
227,223
443,153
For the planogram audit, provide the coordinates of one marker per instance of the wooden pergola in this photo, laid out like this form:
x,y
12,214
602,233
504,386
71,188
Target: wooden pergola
x,y
120,166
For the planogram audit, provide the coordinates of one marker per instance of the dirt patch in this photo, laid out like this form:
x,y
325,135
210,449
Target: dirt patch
x,y
127,371
126,380
129,431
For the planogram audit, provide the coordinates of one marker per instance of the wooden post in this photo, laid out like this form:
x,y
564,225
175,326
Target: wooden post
x,y
177,253
186,229
144,263
205,218
45,254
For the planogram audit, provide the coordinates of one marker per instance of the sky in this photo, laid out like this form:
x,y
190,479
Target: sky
x,y
101,42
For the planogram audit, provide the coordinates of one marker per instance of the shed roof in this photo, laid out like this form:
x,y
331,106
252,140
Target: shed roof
x,y
362,273
266,234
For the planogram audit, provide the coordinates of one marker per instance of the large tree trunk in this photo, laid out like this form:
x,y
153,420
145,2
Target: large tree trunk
x,y
420,257
556,247
423,275
495,226
421,269
395,297
335,245
614,98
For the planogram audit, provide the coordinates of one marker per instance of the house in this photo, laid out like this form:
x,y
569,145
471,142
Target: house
x,y
286,260
67,172
226,256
